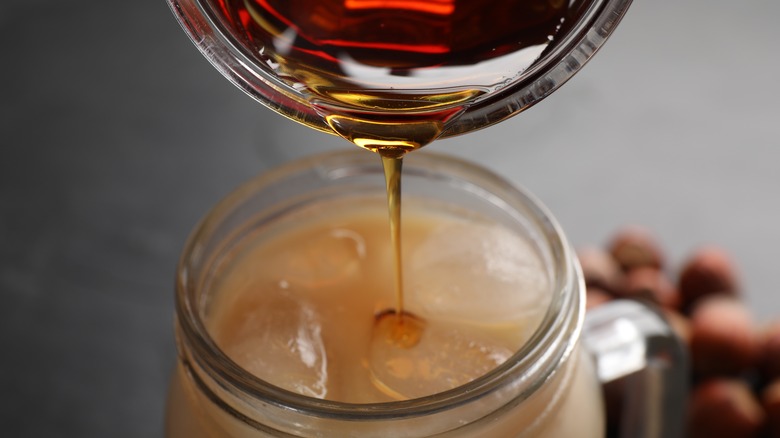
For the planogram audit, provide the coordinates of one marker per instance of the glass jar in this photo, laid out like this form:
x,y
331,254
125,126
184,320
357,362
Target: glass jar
x,y
257,73
549,388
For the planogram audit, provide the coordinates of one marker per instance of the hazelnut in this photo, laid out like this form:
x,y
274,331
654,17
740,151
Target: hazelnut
x,y
724,408
650,284
708,271
596,297
723,338
679,324
770,400
769,351
634,246
599,269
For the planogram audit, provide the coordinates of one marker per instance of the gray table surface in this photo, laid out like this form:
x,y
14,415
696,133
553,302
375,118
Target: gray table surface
x,y
116,136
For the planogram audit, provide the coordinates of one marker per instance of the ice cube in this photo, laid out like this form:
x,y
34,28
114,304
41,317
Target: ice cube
x,y
476,272
277,337
322,259
410,358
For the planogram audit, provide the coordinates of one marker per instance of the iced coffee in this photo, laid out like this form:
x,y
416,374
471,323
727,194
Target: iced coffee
x,y
304,304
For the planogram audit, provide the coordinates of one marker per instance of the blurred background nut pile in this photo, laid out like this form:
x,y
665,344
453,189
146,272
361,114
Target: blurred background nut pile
x,y
735,361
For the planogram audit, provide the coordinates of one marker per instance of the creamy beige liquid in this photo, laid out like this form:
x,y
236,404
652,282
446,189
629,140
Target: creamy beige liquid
x,y
304,305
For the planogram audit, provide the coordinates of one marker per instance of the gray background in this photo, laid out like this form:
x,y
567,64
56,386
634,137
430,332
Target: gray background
x,y
116,136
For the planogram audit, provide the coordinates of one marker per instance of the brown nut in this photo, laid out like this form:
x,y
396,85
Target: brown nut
x,y
769,351
599,269
724,408
595,297
770,400
708,271
650,284
634,247
723,337
679,324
